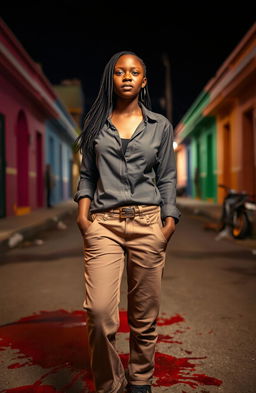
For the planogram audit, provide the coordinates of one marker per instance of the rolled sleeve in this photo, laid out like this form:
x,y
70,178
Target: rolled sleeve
x,y
166,175
88,177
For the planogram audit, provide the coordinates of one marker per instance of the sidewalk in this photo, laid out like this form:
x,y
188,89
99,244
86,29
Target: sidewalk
x,y
202,208
212,211
15,229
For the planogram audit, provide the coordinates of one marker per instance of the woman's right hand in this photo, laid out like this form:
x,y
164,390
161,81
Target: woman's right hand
x,y
83,224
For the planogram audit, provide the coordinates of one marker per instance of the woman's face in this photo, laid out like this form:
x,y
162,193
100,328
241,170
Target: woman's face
x,y
128,77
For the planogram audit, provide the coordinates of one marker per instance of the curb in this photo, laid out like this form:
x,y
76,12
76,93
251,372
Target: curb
x,y
27,233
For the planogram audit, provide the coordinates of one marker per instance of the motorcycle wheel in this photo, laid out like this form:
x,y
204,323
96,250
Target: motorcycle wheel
x,y
241,225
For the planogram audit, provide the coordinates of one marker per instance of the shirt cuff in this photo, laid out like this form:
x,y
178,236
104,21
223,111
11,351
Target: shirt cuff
x,y
170,211
81,194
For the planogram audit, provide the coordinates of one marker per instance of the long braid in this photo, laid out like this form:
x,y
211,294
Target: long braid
x,y
103,104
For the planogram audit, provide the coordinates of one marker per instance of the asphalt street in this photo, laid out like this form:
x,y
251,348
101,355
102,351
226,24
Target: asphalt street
x,y
206,324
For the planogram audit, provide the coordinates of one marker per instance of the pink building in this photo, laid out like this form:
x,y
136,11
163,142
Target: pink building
x,y
31,115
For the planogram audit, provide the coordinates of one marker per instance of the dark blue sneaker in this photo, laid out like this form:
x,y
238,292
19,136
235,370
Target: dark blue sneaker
x,y
138,388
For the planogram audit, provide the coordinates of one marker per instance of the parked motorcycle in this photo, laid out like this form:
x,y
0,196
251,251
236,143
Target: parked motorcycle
x,y
238,212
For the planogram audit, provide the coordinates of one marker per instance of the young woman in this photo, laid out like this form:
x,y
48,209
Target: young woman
x,y
126,199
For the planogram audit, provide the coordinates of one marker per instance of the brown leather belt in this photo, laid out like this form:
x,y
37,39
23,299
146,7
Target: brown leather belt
x,y
127,212
131,211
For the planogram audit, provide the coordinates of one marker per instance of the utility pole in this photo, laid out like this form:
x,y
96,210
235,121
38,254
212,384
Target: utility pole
x,y
168,86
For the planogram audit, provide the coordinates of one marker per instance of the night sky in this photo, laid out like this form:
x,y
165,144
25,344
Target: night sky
x,y
71,40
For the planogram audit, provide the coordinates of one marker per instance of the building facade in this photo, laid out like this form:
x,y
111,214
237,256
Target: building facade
x,y
35,130
217,136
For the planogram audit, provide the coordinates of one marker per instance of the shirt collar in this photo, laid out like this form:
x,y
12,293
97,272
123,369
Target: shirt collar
x,y
147,114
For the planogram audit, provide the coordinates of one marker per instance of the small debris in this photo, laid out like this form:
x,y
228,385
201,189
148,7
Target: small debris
x,y
38,242
61,225
15,239
224,234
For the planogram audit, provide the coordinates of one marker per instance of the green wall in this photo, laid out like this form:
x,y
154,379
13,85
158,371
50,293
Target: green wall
x,y
203,148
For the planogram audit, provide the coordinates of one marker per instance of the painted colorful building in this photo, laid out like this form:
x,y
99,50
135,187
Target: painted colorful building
x,y
216,138
71,94
35,130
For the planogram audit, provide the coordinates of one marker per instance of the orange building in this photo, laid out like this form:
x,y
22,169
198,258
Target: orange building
x,y
233,103
217,136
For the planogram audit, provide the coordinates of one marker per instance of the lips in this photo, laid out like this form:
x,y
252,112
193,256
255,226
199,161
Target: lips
x,y
127,87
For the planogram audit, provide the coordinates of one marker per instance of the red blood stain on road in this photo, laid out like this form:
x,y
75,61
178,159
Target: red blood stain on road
x,y
170,370
57,341
33,389
169,321
167,339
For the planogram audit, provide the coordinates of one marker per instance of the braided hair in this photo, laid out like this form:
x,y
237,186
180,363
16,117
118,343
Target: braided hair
x,y
103,104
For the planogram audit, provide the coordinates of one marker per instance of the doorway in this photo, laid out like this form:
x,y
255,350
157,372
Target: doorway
x,y
227,155
39,170
22,149
248,154
2,167
210,184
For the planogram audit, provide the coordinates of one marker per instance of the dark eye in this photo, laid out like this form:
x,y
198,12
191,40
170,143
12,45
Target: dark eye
x,y
118,72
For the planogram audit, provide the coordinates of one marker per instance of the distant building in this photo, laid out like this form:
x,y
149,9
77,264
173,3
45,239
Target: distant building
x,y
71,94
217,136
36,129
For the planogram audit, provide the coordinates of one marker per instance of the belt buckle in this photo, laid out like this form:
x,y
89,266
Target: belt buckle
x,y
127,212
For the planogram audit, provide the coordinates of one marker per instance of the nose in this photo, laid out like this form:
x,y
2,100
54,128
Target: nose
x,y
127,76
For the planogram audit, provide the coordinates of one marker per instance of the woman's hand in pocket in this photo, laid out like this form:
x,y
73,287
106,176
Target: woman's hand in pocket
x,y
83,224
169,228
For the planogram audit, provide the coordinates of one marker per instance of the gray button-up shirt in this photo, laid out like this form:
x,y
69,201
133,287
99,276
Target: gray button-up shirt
x,y
144,175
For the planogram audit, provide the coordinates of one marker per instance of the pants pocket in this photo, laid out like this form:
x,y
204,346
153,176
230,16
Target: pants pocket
x,y
159,228
157,225
94,221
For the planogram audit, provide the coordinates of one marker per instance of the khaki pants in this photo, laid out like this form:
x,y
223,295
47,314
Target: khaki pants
x,y
105,241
